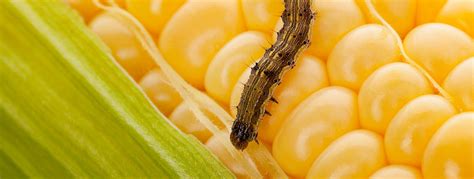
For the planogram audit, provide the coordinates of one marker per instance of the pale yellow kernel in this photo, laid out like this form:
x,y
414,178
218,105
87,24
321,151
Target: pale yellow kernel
x,y
153,14
333,20
396,172
400,14
158,89
187,122
308,76
262,15
438,48
427,10
413,126
195,34
460,14
356,154
359,53
460,84
125,46
231,61
215,145
386,91
316,122
450,154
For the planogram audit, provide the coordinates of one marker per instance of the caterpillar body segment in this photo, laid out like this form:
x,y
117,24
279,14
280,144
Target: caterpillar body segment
x,y
266,74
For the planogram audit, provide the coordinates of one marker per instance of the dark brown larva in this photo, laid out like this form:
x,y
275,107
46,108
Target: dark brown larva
x,y
267,72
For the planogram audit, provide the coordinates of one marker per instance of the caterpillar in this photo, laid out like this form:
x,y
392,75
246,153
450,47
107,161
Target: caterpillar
x,y
266,74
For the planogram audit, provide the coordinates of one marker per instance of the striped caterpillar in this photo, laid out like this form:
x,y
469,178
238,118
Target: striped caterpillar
x,y
266,74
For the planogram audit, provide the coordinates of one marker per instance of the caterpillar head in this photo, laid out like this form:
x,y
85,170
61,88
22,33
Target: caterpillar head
x,y
242,133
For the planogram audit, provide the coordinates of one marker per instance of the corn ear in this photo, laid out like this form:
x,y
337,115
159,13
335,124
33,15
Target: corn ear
x,y
68,110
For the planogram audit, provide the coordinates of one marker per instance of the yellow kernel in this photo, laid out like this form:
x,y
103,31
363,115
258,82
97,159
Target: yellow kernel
x,y
158,89
460,84
312,126
195,34
397,171
86,8
218,149
333,20
308,76
125,46
450,154
413,126
460,14
153,14
386,91
187,122
427,10
360,53
262,15
400,14
356,154
438,48
231,61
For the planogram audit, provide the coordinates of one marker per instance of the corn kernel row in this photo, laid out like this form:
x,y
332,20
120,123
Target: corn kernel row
x,y
350,108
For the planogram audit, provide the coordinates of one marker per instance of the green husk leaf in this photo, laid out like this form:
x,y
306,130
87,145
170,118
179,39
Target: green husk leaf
x,y
68,110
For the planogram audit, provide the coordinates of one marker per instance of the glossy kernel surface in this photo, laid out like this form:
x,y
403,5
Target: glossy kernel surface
x,y
188,46
332,22
413,126
359,53
450,152
312,126
262,15
356,154
386,91
124,45
438,48
231,61
460,84
397,171
153,14
458,13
